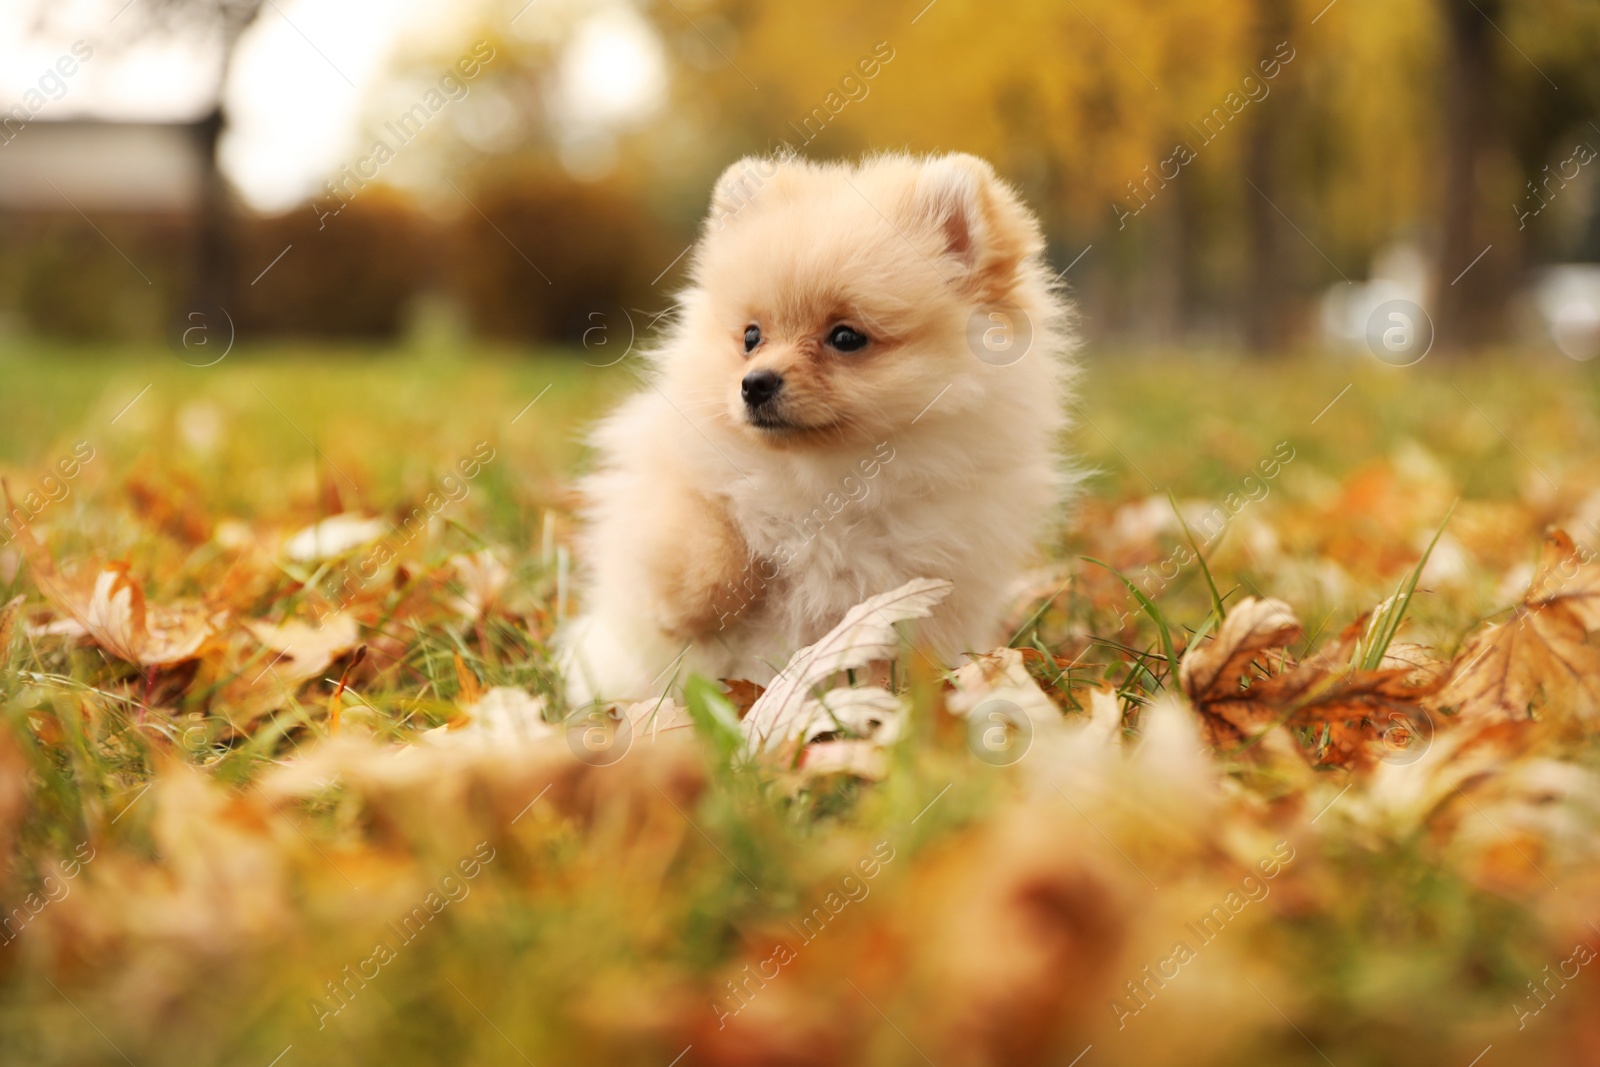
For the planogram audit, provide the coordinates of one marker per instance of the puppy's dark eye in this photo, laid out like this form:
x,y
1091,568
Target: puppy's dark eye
x,y
752,337
845,339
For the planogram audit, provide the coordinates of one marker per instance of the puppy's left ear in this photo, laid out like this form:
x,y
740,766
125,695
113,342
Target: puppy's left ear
x,y
740,186
983,228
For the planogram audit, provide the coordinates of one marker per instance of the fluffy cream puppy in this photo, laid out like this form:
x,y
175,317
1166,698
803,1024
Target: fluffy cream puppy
x,y
865,385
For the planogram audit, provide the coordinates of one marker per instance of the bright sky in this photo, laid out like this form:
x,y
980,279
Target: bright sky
x,y
155,81
304,73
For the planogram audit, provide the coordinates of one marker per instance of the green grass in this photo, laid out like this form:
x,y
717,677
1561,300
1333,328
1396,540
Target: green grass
x,y
619,903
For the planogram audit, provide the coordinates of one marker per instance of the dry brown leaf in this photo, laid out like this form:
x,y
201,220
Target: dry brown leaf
x,y
857,759
333,537
1545,658
110,607
8,625
1215,674
741,694
1325,689
177,631
1254,626
305,651
864,636
1240,693
1367,713
299,652
112,611
1418,661
482,578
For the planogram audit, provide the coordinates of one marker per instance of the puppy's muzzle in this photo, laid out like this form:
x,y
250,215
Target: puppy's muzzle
x,y
759,387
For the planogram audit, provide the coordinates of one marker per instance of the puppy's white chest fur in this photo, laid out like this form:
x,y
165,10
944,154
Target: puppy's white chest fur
x,y
828,421
822,537
960,499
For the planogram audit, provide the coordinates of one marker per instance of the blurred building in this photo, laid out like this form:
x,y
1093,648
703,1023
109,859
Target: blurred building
x,y
99,224
88,165
111,230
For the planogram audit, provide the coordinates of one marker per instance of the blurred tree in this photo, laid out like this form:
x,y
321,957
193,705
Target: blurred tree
x,y
1266,328
218,24
1217,163
1426,122
358,278
1083,104
1474,136
225,22
1520,76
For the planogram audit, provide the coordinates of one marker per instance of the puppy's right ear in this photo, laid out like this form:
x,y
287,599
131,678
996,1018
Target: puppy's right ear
x,y
983,228
739,187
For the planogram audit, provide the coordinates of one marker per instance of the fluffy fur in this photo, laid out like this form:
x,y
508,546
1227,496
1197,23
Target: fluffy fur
x,y
717,545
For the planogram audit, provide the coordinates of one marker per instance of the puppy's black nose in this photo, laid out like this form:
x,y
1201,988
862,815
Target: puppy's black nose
x,y
760,386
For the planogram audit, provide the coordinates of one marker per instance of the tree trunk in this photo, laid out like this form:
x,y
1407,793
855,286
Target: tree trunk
x,y
1265,312
215,262
1470,308
215,282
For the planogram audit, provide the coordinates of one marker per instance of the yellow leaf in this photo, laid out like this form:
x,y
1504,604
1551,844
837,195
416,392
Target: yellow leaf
x,y
1545,658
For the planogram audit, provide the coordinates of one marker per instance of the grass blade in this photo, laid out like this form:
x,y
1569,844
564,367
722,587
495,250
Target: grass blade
x,y
1211,583
1151,610
1386,621
713,716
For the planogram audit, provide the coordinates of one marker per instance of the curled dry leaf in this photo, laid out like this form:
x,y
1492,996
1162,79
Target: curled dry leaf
x,y
1216,675
849,734
176,631
865,634
1422,667
114,613
295,652
1242,692
741,694
481,577
1545,658
333,536
111,610
8,626
109,607
1253,627
305,651
871,714
504,716
1001,674
856,759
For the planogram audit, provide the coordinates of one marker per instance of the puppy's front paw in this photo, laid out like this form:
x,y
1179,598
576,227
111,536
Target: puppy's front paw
x,y
700,569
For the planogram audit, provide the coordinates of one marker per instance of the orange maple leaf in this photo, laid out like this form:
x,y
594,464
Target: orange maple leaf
x,y
1545,658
